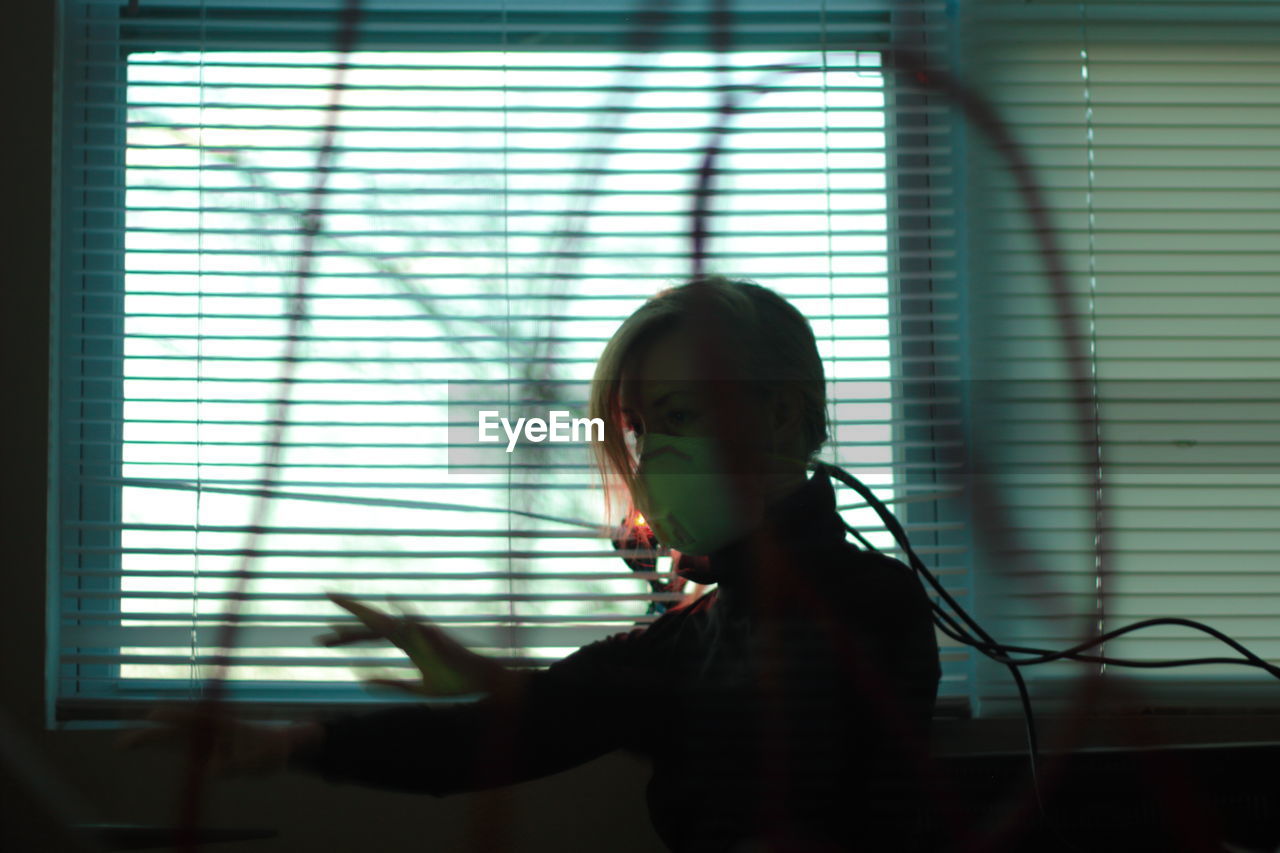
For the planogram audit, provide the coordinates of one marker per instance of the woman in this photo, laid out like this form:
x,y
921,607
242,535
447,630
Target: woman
x,y
786,710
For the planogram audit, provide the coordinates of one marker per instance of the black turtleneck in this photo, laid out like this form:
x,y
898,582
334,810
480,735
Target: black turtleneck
x,y
792,701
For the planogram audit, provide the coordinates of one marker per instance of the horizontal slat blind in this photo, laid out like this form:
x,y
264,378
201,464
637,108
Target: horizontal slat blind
x,y
1152,130
510,181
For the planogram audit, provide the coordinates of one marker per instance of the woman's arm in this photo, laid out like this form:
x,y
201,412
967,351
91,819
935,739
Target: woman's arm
x,y
596,700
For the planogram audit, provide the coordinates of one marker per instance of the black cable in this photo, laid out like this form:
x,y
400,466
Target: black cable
x,y
997,651
1000,653
858,535
917,564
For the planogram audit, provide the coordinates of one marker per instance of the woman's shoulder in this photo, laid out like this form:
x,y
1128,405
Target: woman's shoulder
x,y
866,570
877,591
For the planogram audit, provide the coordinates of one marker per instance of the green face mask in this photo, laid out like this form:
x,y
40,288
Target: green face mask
x,y
686,494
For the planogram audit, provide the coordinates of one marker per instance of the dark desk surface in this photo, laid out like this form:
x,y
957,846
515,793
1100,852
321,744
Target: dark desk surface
x,y
1161,799
125,836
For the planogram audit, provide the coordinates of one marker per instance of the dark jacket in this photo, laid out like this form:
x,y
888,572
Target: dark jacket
x,y
783,704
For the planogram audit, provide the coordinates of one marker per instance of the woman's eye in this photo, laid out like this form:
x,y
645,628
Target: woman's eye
x,y
682,417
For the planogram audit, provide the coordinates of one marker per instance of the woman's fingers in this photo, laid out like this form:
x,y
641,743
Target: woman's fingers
x,y
375,620
439,678
447,667
343,634
424,642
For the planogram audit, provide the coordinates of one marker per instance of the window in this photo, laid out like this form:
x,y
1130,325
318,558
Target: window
x,y
507,184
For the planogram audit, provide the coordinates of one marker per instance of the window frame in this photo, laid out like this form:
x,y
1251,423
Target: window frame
x,y
100,171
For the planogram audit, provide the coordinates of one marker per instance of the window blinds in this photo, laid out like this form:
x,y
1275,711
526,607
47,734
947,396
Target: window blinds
x,y
510,180
1152,129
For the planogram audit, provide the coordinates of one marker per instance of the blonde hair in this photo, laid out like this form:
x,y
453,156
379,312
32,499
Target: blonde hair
x,y
776,346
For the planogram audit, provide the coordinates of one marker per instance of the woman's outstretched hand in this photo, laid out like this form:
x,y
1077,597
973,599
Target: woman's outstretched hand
x,y
237,748
445,666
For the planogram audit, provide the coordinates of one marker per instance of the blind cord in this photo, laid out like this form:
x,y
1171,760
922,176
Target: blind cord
x,y
1090,175
194,683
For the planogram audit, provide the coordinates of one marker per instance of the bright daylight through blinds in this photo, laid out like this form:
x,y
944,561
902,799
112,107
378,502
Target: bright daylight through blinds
x,y
489,216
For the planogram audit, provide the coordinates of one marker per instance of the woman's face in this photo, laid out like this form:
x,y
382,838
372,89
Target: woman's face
x,y
668,390
661,391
